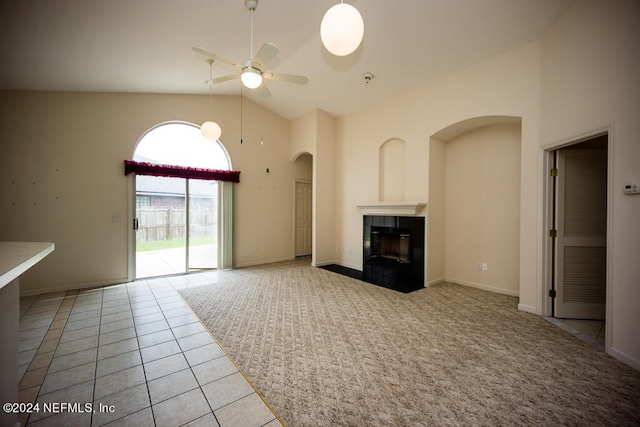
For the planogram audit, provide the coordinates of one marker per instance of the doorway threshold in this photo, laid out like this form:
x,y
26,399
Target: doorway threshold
x,y
588,331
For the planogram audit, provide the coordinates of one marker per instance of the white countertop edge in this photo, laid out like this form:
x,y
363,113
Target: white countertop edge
x,y
18,257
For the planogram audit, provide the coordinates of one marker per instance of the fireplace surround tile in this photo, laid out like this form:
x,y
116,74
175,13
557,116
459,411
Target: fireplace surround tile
x,y
391,269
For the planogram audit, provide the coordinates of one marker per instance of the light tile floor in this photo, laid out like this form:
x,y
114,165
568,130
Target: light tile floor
x,y
590,331
133,354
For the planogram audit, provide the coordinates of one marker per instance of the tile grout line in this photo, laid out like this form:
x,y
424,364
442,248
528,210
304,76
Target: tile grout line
x,y
144,371
23,397
95,371
181,351
277,417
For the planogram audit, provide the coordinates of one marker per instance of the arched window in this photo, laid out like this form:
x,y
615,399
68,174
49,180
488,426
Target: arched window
x,y
181,144
178,217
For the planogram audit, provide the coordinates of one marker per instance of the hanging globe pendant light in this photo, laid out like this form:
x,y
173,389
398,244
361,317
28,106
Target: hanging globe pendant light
x,y
211,130
342,29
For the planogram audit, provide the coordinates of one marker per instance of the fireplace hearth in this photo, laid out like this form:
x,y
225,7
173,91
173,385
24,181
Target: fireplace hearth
x,y
393,251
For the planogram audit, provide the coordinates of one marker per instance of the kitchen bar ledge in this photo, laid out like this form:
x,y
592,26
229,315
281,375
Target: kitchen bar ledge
x,y
18,257
15,259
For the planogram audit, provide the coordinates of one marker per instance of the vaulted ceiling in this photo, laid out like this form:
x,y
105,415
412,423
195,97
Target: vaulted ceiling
x,y
146,45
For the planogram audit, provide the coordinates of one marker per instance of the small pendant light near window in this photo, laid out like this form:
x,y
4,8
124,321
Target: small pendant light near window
x,y
342,29
211,130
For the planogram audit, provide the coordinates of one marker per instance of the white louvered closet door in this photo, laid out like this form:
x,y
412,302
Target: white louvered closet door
x,y
581,248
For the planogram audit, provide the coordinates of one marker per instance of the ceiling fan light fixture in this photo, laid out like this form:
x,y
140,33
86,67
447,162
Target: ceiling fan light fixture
x,y
251,77
211,131
342,29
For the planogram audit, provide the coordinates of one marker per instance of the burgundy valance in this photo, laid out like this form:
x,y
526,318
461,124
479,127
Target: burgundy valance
x,y
144,168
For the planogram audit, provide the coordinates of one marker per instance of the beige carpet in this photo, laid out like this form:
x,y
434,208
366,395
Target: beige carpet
x,y
324,349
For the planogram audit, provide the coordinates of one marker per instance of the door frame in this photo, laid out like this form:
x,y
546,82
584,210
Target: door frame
x,y
295,183
545,302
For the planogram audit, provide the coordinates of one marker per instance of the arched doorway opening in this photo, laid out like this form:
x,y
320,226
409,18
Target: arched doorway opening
x,y
176,219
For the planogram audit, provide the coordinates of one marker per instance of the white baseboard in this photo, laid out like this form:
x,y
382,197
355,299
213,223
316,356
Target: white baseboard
x,y
323,263
436,282
352,266
527,308
483,287
625,358
263,261
77,286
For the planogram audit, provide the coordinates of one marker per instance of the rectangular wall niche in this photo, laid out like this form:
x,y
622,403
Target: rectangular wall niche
x,y
393,252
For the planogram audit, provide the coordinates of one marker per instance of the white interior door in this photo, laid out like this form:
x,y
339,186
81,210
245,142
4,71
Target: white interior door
x,y
303,219
581,249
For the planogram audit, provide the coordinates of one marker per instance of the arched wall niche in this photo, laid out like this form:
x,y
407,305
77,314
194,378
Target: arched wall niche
x,y
391,170
474,203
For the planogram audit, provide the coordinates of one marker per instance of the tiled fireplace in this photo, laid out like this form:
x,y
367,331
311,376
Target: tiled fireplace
x,y
393,251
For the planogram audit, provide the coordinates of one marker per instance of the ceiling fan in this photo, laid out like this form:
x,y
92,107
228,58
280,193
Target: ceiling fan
x,y
252,70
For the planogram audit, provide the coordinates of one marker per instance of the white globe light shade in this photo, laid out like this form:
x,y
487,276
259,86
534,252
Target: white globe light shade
x,y
342,29
251,77
211,131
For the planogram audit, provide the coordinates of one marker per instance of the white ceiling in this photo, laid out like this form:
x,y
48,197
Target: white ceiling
x,y
145,45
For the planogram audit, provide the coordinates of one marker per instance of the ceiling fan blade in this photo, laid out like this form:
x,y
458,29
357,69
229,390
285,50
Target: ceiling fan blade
x,y
263,90
266,53
291,78
208,54
223,78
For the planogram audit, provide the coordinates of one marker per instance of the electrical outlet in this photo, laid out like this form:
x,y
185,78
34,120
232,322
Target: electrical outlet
x,y
478,265
485,266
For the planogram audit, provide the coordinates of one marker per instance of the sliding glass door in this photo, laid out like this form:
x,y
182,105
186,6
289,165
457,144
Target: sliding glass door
x,y
203,225
176,225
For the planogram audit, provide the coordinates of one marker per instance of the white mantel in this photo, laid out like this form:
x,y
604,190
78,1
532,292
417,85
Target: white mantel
x,y
391,208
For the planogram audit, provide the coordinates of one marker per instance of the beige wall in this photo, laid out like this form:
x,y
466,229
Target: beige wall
x,y
61,172
482,208
507,85
436,214
315,133
590,82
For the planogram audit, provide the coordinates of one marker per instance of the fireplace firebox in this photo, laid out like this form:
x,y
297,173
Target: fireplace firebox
x,y
394,245
393,251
